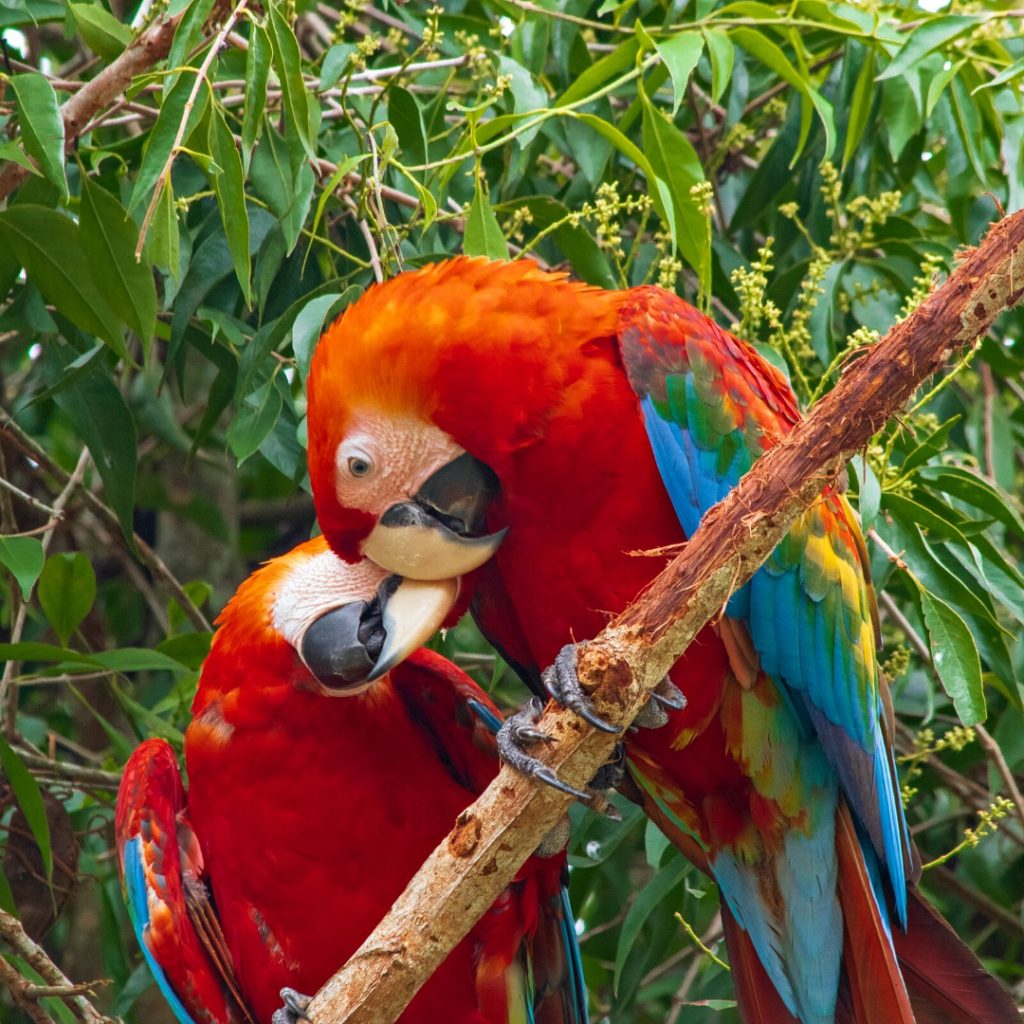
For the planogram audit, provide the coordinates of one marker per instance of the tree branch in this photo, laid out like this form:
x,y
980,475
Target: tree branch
x,y
150,47
493,836
57,984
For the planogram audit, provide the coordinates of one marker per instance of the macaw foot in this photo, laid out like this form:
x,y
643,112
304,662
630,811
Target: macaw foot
x,y
519,730
294,1009
563,683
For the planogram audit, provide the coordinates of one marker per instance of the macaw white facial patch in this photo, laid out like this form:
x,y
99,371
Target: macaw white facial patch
x,y
383,461
319,584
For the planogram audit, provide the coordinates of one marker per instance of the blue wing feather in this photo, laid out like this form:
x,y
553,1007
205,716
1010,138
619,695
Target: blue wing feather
x,y
711,406
138,912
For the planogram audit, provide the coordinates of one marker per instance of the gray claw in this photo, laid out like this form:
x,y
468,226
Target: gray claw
x,y
651,716
668,695
545,774
665,697
562,682
294,1009
514,731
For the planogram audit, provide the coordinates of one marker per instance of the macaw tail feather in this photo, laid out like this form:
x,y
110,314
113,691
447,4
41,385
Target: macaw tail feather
x,y
872,986
757,998
947,982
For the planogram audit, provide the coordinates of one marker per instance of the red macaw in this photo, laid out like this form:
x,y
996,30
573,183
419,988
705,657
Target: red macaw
x,y
323,769
594,427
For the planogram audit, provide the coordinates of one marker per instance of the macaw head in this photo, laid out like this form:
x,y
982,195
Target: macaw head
x,y
422,393
347,623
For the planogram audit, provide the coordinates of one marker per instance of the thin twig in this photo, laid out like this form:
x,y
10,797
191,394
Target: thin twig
x,y
9,691
163,180
146,554
28,499
14,935
995,755
141,54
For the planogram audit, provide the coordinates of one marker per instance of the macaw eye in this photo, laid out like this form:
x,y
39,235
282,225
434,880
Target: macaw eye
x,y
358,465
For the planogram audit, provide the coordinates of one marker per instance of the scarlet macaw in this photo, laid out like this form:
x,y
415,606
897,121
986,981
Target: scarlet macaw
x,y
323,769
594,426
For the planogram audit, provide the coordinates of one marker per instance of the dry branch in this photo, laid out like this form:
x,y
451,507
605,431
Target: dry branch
x,y
492,838
142,53
57,985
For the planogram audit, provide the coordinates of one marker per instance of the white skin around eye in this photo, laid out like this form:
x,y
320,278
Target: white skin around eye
x,y
384,460
317,585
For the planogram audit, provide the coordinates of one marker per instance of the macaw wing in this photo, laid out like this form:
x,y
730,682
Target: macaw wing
x,y
459,717
162,874
712,406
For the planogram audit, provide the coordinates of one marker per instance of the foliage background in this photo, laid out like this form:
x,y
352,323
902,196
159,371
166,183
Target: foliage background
x,y
802,170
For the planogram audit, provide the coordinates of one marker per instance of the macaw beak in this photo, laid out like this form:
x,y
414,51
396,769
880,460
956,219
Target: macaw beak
x,y
436,535
349,647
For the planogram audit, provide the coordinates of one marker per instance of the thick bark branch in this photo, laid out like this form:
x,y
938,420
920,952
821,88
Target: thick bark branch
x,y
493,837
142,53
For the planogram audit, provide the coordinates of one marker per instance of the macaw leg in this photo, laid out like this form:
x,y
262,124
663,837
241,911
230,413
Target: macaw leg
x,y
562,682
294,1009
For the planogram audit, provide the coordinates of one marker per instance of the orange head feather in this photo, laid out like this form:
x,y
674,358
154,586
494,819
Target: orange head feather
x,y
486,351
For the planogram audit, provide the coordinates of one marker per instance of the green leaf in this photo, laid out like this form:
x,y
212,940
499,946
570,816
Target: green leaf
x,y
109,238
900,114
955,657
48,245
407,120
24,557
139,659
288,194
42,127
187,36
163,243
929,447
483,236
925,39
860,106
254,421
30,651
722,54
30,800
763,49
257,71
230,188
616,63
105,424
6,895
163,133
100,30
287,64
869,494
976,491
680,54
527,95
334,64
675,162
652,896
309,324
67,590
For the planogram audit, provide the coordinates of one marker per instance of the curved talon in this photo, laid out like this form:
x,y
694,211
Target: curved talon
x,y
515,730
294,1009
546,775
562,682
668,695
